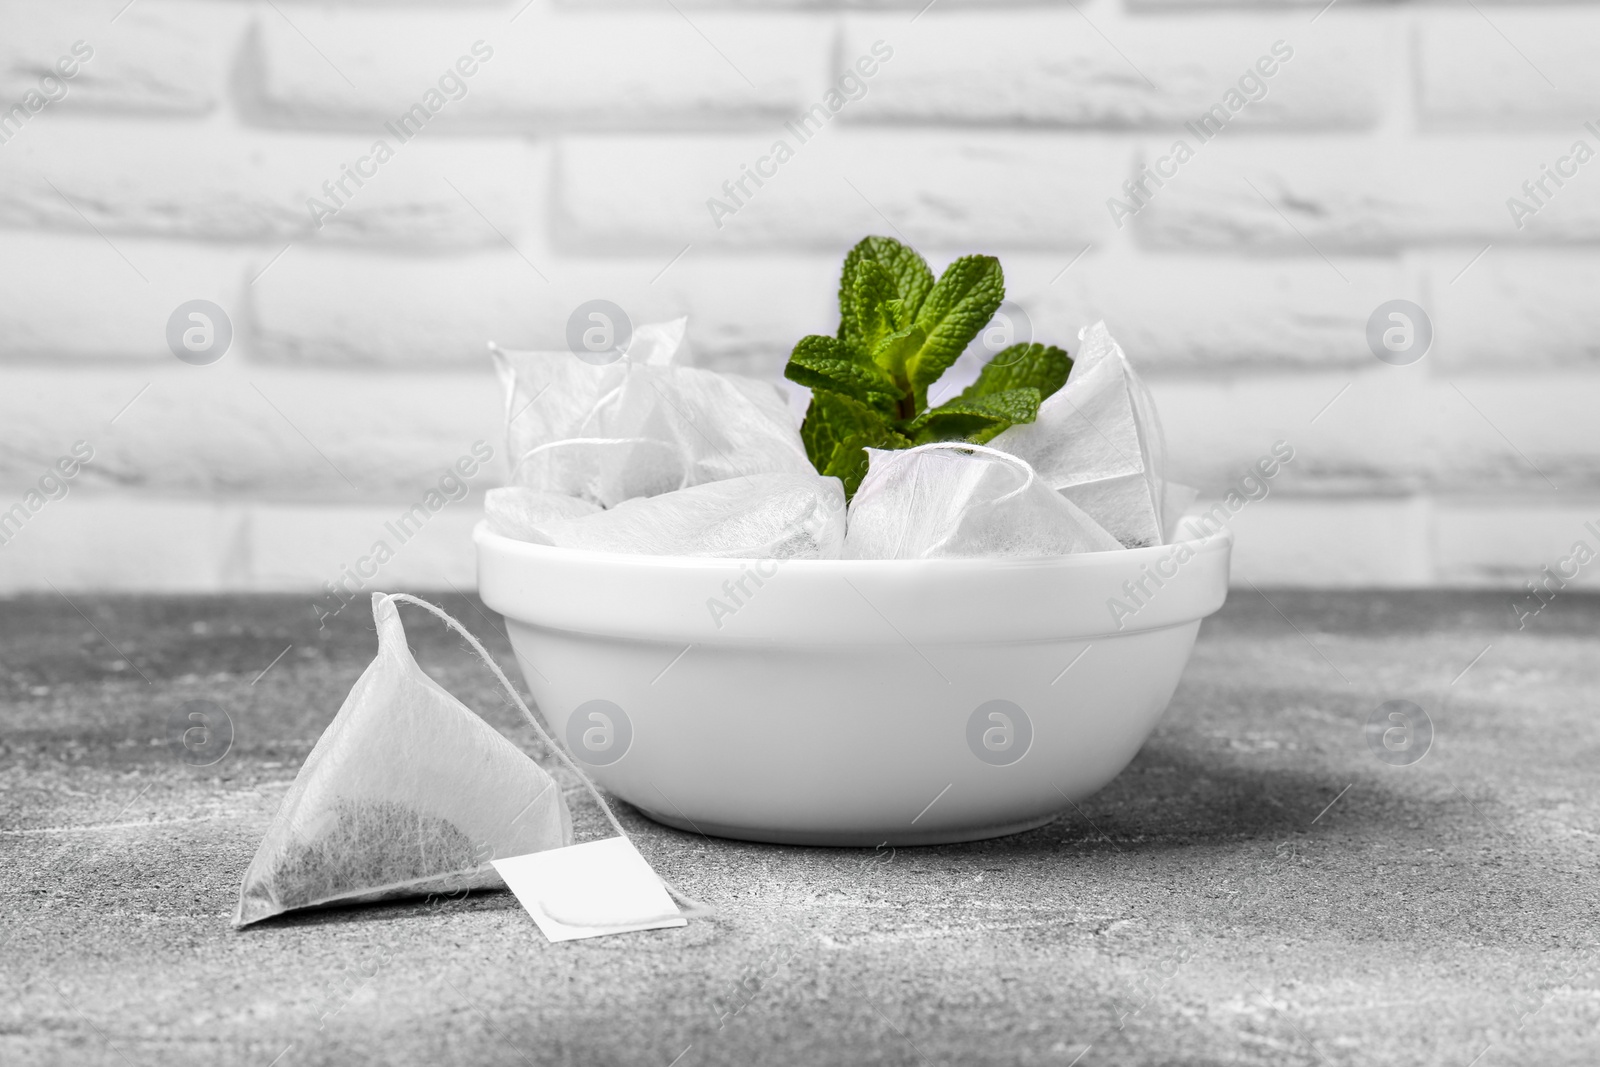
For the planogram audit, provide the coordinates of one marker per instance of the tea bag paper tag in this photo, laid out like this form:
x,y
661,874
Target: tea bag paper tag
x,y
588,890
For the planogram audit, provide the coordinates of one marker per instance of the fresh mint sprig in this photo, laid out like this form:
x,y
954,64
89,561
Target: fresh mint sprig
x,y
899,331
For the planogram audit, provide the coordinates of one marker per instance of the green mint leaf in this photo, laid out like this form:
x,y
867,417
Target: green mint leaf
x,y
877,307
955,425
962,303
978,419
1043,367
893,351
833,418
1018,405
825,363
850,461
909,272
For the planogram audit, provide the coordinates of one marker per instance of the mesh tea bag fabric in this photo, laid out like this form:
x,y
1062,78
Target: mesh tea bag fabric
x,y
1098,440
1176,499
517,511
641,425
956,499
407,792
781,516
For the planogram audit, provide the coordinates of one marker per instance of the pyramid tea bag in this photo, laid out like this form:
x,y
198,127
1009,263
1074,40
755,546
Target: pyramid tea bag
x,y
517,511
1175,500
640,425
956,499
761,516
1098,441
406,793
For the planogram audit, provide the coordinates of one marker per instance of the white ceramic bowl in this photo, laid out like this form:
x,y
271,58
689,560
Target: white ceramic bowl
x,y
852,702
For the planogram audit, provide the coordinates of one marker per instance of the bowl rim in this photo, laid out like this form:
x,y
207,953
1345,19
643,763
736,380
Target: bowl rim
x,y
1220,541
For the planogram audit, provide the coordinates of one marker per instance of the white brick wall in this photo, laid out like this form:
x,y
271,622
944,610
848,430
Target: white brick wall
x,y
575,162
551,71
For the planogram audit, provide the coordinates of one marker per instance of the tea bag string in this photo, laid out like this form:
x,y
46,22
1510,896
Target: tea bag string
x,y
984,450
693,908
566,442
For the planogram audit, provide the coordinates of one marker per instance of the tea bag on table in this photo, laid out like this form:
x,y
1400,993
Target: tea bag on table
x,y
1098,441
641,425
783,516
406,793
956,499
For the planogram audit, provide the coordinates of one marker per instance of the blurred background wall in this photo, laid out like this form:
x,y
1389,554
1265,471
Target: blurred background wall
x,y
1378,160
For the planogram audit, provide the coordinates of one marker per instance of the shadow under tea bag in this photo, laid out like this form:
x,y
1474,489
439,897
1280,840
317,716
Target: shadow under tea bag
x,y
406,793
956,499
1098,441
640,425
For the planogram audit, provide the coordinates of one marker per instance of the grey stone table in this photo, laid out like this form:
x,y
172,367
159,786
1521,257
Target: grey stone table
x,y
1258,887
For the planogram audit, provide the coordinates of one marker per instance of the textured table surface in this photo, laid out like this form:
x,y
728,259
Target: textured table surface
x,y
1258,887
